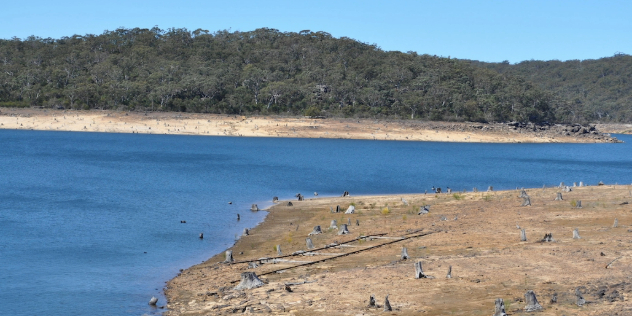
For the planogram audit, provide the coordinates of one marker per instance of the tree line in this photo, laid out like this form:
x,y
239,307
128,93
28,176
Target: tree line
x,y
266,71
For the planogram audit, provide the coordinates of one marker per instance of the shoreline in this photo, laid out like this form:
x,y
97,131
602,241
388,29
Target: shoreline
x,y
206,288
176,123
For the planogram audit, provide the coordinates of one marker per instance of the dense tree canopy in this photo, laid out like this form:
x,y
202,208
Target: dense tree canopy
x,y
260,72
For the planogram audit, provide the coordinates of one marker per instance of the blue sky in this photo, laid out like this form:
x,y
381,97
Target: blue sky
x,y
483,30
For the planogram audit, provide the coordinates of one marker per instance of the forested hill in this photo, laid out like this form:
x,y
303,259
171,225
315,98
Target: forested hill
x,y
260,72
593,90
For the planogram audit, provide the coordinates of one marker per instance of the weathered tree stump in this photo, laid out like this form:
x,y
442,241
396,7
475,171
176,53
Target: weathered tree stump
x,y
254,208
350,210
559,197
334,224
532,302
579,298
419,272
526,201
579,204
279,252
576,234
275,199
387,305
153,301
372,301
547,238
229,257
561,185
500,308
405,253
249,280
523,235
449,190
574,184
343,230
616,223
523,193
581,183
310,244
290,204
490,188
600,183
357,222
449,275
423,210
246,232
316,230
337,208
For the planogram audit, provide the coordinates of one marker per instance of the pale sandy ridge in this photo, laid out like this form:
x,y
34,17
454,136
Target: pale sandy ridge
x,y
175,123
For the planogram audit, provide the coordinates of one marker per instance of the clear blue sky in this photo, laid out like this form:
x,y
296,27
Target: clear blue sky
x,y
483,30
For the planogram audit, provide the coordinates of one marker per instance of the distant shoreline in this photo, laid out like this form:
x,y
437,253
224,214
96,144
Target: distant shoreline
x,y
177,123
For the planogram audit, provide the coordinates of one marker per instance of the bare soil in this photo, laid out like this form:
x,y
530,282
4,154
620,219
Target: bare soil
x,y
475,233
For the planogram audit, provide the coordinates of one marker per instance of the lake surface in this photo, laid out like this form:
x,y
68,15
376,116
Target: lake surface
x,y
90,222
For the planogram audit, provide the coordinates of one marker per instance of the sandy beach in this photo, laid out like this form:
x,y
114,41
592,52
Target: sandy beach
x,y
176,123
475,235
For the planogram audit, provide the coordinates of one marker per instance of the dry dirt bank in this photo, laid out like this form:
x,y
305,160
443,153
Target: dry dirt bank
x,y
258,126
475,233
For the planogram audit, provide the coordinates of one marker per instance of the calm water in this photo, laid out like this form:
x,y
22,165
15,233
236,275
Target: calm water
x,y
90,222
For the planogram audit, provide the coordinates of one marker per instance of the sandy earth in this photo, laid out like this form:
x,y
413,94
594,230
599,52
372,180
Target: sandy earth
x,y
253,126
475,233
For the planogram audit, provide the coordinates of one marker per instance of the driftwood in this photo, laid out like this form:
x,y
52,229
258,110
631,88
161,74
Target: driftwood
x,y
611,262
526,201
350,210
616,223
249,280
579,298
500,308
309,243
254,208
153,301
424,210
547,238
576,234
279,252
387,305
559,197
343,230
405,253
372,301
579,204
275,199
229,257
316,230
523,235
532,302
334,224
449,275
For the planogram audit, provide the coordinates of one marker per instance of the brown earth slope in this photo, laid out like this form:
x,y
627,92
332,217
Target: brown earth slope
x,y
475,233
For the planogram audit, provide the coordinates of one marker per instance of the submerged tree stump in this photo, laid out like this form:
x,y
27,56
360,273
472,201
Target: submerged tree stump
x,y
316,231
153,301
343,230
559,197
254,208
387,305
310,244
423,210
532,302
576,234
405,253
249,280
523,235
229,257
449,275
201,235
334,224
500,308
579,298
350,210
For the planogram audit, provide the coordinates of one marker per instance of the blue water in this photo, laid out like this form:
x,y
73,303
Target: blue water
x,y
90,222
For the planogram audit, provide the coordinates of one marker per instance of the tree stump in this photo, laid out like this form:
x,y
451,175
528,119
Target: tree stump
x,y
600,183
579,298
249,280
616,223
357,222
576,234
581,183
290,204
532,302
523,235
372,301
559,197
547,238
526,201
331,209
343,230
490,188
246,232
449,275
316,231
275,199
500,308
419,272
554,298
523,193
348,221
337,208
350,210
387,305
561,185
574,184
405,253
254,208
334,224
279,252
567,189
310,244
579,204
153,301
423,210
229,257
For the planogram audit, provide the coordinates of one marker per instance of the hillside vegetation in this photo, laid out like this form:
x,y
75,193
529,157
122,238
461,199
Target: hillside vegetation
x,y
260,72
